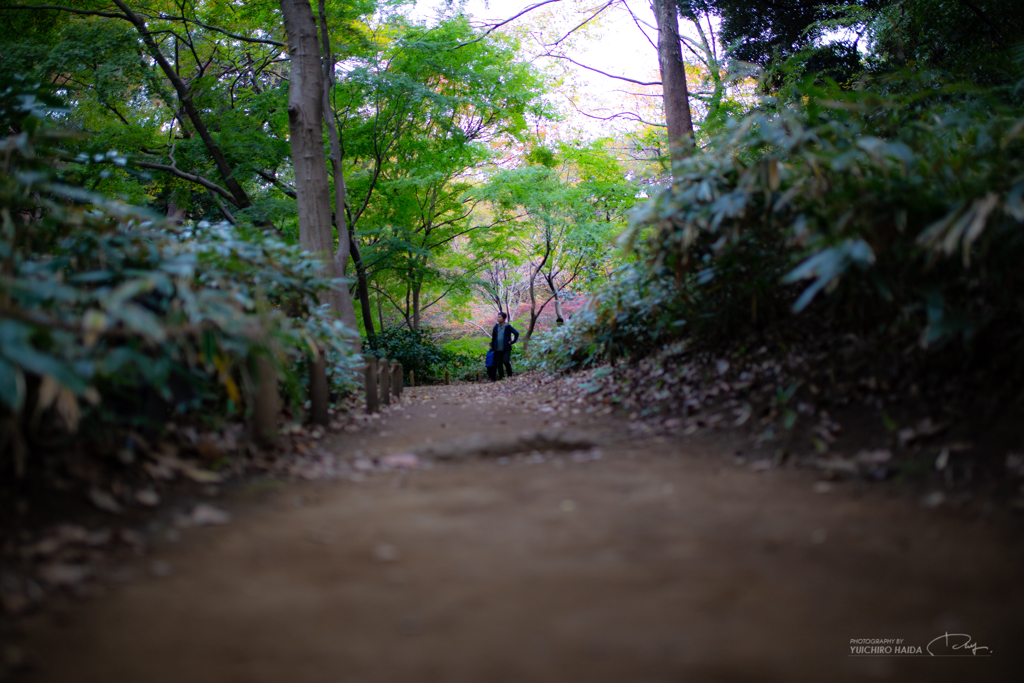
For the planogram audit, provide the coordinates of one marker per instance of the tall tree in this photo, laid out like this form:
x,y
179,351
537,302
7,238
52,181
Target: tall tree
x,y
306,125
673,80
344,251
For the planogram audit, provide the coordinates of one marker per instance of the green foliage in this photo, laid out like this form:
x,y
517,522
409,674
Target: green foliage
x,y
104,303
630,317
560,226
474,347
972,41
419,351
903,199
761,31
417,114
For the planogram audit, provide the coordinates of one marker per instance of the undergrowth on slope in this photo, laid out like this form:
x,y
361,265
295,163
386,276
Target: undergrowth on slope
x,y
893,210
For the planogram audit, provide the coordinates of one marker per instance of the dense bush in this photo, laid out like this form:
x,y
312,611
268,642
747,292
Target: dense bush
x,y
419,351
471,353
902,199
111,315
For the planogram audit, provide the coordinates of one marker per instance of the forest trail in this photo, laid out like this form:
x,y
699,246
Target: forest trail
x,y
646,560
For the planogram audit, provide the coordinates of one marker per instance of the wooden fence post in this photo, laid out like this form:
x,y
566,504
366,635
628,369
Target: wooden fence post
x,y
396,380
385,382
479,376
447,378
412,378
266,404
370,382
318,392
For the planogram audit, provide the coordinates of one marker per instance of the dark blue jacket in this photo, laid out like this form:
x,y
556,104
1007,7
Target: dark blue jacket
x,y
511,337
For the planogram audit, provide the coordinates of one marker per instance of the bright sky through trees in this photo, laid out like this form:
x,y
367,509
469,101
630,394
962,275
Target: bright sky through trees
x,y
615,41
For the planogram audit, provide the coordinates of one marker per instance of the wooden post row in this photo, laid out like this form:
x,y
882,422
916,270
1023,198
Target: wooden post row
x,y
267,403
385,382
396,380
319,397
370,383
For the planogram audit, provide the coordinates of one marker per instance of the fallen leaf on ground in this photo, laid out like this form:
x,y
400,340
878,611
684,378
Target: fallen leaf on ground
x,y
147,497
201,476
104,501
204,514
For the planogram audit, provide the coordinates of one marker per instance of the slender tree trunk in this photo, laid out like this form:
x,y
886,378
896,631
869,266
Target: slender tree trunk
x,y
416,304
363,291
673,80
345,306
380,313
305,125
534,314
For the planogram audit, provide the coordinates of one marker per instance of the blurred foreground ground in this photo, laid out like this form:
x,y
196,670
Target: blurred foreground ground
x,y
648,560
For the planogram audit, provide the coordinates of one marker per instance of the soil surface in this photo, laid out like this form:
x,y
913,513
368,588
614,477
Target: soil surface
x,y
643,560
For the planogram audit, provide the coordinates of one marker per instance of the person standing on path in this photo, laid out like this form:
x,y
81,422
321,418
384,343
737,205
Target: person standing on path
x,y
503,336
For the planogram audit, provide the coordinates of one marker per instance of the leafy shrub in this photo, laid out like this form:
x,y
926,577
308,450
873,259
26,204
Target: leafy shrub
x,y
903,199
475,347
418,351
628,318
470,355
106,306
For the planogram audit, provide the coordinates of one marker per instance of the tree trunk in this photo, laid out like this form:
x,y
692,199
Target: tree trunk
x,y
305,125
363,291
673,80
417,285
344,298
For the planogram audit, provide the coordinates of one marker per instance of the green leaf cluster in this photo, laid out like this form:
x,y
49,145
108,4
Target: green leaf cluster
x,y
111,314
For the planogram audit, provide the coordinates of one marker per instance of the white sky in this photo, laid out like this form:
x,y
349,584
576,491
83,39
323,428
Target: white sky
x,y
612,43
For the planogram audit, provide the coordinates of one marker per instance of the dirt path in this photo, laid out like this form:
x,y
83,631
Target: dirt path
x,y
658,561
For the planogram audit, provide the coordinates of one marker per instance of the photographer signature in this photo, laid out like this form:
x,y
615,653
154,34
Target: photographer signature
x,y
960,641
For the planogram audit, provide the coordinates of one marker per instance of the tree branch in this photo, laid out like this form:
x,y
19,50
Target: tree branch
x,y
192,178
265,41
499,25
281,185
628,114
72,10
583,23
603,73
641,28
238,195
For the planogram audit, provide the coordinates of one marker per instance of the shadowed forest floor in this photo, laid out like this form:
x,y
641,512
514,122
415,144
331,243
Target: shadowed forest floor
x,y
644,559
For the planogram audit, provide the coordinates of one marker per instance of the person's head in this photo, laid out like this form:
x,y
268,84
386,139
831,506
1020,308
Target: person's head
x,y
501,318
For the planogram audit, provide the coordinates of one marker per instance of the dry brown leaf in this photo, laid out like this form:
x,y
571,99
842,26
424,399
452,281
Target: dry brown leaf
x,y
104,501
